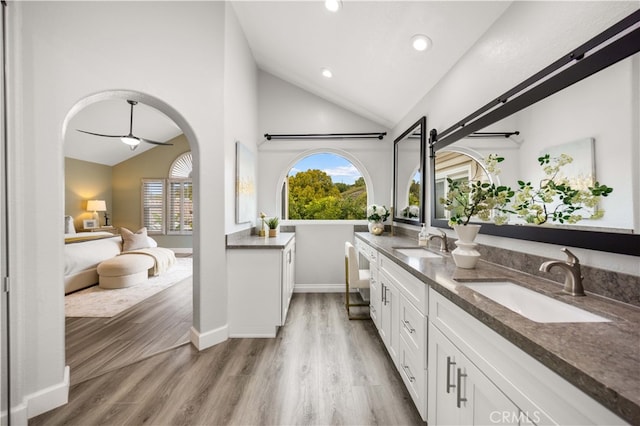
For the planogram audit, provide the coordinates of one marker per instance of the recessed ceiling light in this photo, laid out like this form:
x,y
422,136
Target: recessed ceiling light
x,y
421,42
333,5
326,72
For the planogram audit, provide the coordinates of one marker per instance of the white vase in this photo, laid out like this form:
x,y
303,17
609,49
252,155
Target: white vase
x,y
465,255
376,228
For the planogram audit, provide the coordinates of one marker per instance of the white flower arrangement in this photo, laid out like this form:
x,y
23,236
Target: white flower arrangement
x,y
377,213
557,199
411,211
554,200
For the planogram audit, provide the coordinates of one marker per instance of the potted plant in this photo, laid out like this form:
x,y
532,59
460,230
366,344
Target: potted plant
x,y
272,223
466,199
376,215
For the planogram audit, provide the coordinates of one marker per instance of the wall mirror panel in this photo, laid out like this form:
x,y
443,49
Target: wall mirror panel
x,y
408,185
595,120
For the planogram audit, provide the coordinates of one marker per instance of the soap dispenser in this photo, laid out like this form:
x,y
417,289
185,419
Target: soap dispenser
x,y
423,236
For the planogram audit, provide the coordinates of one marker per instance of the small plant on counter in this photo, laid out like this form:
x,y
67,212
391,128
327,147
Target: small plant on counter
x,y
273,222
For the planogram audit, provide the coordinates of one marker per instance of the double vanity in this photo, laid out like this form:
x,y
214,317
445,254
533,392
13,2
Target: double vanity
x,y
496,346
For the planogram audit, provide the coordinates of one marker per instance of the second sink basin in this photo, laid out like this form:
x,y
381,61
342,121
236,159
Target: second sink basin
x,y
415,252
533,305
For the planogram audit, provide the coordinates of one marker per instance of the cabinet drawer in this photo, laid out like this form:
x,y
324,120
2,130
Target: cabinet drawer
x,y
414,377
414,290
413,327
367,251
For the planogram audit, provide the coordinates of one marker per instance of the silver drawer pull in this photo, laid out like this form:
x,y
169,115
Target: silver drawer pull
x,y
407,325
409,375
449,364
459,395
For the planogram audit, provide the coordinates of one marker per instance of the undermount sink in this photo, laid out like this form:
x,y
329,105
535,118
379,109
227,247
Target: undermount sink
x,y
415,252
533,305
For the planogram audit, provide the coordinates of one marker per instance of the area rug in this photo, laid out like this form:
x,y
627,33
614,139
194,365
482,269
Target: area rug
x,y
97,302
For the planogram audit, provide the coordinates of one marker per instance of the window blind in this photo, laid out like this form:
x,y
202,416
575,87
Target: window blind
x,y
153,205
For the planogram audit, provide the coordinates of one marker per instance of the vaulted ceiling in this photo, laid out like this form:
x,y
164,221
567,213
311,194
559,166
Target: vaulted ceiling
x,y
366,45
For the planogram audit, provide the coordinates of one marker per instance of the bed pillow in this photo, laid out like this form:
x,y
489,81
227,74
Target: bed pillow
x,y
134,241
69,227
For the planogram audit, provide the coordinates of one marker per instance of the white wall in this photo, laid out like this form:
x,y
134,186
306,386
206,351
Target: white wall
x,y
240,110
285,108
171,54
526,38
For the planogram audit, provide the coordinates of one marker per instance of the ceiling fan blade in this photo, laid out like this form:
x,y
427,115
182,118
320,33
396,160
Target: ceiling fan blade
x,y
155,142
100,134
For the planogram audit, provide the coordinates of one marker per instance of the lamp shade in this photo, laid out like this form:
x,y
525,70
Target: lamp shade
x,y
96,206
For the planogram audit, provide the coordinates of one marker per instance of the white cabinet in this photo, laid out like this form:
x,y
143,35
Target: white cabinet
x,y
261,282
501,383
288,278
389,315
460,394
375,297
399,307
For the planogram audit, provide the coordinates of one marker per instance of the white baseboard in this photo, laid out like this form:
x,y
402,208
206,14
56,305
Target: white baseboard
x,y
49,398
210,338
319,288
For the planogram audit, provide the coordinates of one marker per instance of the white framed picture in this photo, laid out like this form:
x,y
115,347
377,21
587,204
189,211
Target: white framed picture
x,y
90,224
246,197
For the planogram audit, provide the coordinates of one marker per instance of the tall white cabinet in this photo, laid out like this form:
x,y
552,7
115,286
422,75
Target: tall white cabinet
x,y
261,281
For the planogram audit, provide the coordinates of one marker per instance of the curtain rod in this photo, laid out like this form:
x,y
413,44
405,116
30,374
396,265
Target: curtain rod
x,y
370,135
492,134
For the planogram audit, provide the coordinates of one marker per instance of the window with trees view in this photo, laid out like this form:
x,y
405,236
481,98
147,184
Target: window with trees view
x,y
324,186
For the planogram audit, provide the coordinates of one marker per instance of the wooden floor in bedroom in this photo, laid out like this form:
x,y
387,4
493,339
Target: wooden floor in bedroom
x,y
320,369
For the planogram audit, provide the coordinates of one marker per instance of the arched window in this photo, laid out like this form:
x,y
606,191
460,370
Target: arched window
x,y
182,167
167,204
324,186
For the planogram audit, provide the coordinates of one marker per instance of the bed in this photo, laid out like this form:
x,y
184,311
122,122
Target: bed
x,y
83,252
81,257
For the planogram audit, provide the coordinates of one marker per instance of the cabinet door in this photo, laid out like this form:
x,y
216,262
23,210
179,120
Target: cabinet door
x,y
443,360
461,394
389,315
481,402
288,282
375,297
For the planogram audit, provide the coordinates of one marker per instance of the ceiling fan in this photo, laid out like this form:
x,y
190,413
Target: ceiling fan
x,y
130,139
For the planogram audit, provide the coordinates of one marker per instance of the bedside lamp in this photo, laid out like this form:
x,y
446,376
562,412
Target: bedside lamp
x,y
96,206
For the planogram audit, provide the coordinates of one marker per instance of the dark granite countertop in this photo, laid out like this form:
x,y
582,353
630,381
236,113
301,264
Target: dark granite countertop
x,y
601,359
256,242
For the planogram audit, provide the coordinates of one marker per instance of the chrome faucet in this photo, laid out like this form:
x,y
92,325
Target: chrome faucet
x,y
444,247
572,275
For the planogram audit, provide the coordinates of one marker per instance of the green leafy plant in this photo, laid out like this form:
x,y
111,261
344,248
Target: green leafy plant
x,y
555,199
487,201
273,222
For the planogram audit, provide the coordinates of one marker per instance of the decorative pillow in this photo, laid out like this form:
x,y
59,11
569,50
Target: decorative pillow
x,y
69,227
134,241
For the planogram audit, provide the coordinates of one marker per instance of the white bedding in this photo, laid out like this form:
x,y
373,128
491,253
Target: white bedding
x,y
88,254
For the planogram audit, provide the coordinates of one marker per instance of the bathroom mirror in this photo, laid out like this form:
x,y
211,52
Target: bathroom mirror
x,y
408,182
588,110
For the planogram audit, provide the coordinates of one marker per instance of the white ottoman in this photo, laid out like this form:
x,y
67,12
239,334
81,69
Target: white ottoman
x,y
124,271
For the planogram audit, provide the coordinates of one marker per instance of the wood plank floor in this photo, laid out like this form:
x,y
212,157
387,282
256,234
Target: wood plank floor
x,y
321,369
